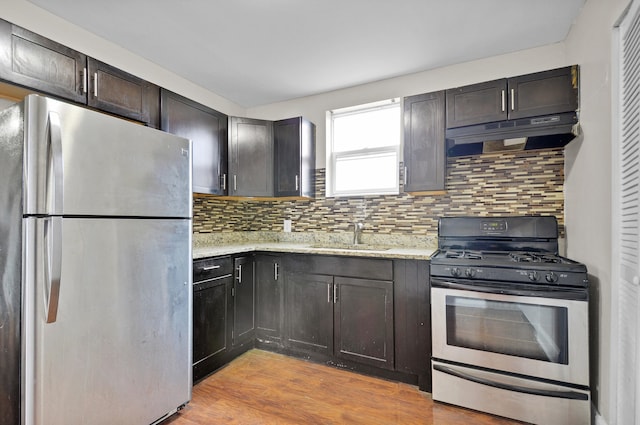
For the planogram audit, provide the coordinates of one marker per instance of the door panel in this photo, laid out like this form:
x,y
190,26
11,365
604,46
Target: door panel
x,y
309,310
268,298
287,139
207,129
209,319
41,64
113,90
123,324
243,300
107,166
251,161
364,321
544,93
477,104
455,311
424,143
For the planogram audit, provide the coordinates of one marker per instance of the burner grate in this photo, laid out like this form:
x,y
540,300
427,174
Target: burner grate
x,y
469,255
533,257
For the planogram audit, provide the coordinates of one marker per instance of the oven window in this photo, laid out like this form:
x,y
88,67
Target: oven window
x,y
525,330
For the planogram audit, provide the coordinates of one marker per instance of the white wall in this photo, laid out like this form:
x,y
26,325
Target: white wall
x,y
588,177
25,14
315,107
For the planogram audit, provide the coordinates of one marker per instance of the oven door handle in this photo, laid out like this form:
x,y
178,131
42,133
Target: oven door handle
x,y
487,287
571,395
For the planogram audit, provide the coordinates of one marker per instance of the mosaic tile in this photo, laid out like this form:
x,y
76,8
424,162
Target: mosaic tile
x,y
510,183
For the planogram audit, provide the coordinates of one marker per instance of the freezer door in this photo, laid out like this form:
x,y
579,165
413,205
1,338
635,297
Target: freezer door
x,y
108,321
81,162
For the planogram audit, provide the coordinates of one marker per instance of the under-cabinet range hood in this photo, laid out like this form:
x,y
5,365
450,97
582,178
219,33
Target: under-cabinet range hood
x,y
543,132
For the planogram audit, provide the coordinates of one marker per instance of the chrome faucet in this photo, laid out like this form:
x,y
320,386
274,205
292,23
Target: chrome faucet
x,y
357,230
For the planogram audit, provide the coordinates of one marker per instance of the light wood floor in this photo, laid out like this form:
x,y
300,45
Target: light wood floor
x,y
260,387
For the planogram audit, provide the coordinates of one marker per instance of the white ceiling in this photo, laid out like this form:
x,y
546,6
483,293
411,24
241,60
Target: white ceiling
x,y
255,52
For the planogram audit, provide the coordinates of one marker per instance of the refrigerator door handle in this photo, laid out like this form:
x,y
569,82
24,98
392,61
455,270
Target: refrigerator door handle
x,y
53,266
55,174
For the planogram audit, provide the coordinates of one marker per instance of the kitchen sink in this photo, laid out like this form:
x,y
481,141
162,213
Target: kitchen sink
x,y
352,247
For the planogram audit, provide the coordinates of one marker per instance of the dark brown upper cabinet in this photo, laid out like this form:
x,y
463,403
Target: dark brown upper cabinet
x,y
294,149
37,63
250,157
207,129
424,142
32,61
542,93
115,91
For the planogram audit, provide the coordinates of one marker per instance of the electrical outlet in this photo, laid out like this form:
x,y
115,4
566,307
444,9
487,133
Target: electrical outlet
x,y
287,225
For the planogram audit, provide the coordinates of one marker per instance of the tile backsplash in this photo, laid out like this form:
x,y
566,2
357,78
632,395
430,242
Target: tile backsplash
x,y
509,183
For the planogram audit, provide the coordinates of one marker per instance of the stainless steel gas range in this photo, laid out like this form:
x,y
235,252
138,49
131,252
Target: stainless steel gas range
x,y
509,320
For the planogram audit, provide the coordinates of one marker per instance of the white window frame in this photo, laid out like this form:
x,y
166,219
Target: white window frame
x,y
333,157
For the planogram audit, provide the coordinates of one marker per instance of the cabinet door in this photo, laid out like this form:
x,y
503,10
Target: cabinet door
x,y
269,298
363,321
243,300
251,157
543,93
477,104
412,324
207,129
117,92
38,63
309,312
294,146
424,144
210,325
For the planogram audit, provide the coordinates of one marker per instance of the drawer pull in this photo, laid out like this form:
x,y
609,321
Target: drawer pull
x,y
206,269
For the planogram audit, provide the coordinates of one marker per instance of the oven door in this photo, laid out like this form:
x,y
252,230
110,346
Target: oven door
x,y
533,336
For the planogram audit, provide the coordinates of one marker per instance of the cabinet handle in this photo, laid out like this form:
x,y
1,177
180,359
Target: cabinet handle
x,y
217,266
406,175
224,181
95,84
84,81
235,182
275,271
513,99
503,100
335,294
240,273
328,292
297,182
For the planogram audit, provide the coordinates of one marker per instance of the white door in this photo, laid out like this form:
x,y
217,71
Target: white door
x,y
626,212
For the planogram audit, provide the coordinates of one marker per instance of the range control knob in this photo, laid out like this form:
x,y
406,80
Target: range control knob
x,y
551,277
533,276
455,272
470,273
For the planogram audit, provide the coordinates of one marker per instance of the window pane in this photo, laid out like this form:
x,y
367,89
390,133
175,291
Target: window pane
x,y
372,173
369,129
517,329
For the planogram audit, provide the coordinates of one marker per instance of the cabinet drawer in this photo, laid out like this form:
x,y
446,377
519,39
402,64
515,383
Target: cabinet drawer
x,y
210,268
365,268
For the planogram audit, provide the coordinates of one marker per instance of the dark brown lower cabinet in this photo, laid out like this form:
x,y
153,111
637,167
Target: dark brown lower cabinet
x,y
363,321
243,300
309,312
364,314
269,299
412,321
344,318
211,325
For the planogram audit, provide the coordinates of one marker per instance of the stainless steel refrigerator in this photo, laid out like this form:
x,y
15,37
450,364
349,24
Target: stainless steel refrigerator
x,y
95,268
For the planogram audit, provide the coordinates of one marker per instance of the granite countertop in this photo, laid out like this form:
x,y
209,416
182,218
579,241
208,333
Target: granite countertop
x,y
373,246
